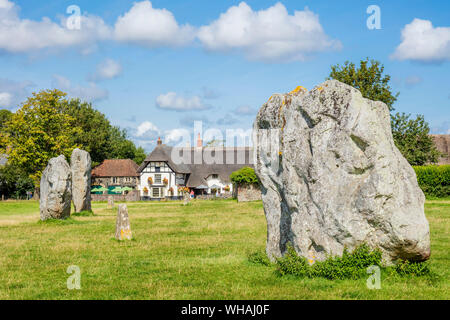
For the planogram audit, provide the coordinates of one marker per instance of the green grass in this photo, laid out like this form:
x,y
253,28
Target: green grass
x,y
208,250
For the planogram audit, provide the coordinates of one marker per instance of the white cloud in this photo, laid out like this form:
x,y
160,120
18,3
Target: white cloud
x,y
171,101
147,26
90,93
5,99
175,135
23,35
108,69
423,42
12,93
268,35
146,127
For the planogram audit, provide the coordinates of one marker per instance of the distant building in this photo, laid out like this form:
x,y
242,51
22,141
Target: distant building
x,y
442,142
113,173
204,170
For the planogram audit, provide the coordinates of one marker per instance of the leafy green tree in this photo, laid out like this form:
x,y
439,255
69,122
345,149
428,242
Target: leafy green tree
x,y
244,176
368,79
411,136
413,140
99,137
14,183
94,136
5,116
38,131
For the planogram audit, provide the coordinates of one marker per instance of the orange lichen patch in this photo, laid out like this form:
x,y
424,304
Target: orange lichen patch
x,y
298,89
270,98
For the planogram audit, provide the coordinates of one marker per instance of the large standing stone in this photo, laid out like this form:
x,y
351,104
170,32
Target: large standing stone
x,y
56,190
80,163
123,229
333,177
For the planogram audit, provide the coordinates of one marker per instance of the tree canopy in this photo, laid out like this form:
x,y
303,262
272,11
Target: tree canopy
x,y
37,132
244,176
48,124
369,79
411,136
99,137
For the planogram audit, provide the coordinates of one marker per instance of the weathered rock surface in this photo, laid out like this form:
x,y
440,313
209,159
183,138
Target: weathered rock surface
x,y
56,189
80,163
333,178
123,229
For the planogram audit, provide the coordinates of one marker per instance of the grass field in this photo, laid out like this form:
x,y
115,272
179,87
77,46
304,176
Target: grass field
x,y
193,252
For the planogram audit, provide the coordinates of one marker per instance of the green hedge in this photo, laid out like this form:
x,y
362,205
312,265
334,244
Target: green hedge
x,y
434,180
244,176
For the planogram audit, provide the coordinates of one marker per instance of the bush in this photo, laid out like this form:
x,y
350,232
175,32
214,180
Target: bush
x,y
259,257
244,176
352,265
434,180
406,268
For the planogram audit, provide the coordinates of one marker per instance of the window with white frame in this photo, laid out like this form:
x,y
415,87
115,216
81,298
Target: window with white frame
x,y
157,178
157,192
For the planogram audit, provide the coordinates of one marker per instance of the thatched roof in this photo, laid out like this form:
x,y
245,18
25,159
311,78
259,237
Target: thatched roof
x,y
200,163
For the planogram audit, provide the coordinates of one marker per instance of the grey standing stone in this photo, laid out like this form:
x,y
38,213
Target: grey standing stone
x,y
186,198
81,180
123,229
332,177
110,202
56,190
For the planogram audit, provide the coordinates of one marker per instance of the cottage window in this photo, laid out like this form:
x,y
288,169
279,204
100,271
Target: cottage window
x,y
157,178
215,176
156,192
157,169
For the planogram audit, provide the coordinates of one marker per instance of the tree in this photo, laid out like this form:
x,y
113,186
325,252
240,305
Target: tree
x,y
5,116
14,183
410,136
99,137
367,79
94,136
244,176
37,132
413,140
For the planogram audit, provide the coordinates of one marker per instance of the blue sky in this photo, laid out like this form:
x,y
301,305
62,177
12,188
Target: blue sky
x,y
155,67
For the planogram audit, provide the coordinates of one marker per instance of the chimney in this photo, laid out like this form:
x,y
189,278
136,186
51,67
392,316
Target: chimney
x,y
199,141
159,141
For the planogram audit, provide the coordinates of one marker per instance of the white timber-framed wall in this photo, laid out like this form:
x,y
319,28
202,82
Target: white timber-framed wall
x,y
214,179
159,171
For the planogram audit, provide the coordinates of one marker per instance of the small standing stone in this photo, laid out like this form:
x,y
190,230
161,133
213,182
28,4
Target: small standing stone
x,y
123,230
186,198
110,202
81,180
56,190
